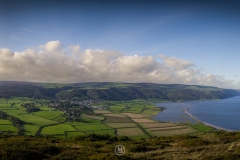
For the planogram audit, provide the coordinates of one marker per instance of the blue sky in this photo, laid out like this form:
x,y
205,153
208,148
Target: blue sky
x,y
204,33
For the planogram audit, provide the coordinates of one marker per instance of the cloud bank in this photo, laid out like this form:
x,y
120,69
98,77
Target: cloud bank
x,y
54,62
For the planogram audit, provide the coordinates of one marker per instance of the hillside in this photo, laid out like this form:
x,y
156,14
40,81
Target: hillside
x,y
113,91
217,145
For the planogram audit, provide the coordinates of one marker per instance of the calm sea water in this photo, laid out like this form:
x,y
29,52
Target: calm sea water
x,y
222,113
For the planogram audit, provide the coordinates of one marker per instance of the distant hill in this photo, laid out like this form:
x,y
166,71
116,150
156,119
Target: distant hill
x,y
113,91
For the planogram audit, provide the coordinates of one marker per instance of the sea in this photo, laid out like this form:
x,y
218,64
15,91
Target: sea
x,y
224,113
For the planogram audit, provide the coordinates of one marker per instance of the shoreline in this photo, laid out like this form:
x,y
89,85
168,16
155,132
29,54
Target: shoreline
x,y
206,124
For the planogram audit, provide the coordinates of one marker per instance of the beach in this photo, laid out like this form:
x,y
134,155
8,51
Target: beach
x,y
207,124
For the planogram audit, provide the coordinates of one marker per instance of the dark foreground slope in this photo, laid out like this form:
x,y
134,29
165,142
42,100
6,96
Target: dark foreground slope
x,y
217,145
114,91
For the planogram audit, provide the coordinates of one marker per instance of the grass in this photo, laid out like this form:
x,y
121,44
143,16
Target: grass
x,y
45,108
172,132
30,129
89,120
92,117
150,112
157,125
101,111
124,121
200,127
117,120
2,121
144,121
114,115
73,134
121,125
130,132
6,127
3,105
116,109
110,132
35,119
48,114
14,112
57,129
133,110
60,119
92,127
133,115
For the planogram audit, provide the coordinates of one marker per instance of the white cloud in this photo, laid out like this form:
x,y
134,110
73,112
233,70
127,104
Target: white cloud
x,y
74,48
175,62
52,46
55,63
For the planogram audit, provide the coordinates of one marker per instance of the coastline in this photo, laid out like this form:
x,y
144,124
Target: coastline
x,y
206,124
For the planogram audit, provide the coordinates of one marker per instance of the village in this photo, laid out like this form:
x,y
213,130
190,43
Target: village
x,y
73,109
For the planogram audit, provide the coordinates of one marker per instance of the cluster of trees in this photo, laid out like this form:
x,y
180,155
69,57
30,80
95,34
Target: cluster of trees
x,y
30,107
16,122
71,111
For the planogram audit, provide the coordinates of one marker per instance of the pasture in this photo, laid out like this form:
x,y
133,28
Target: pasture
x,y
130,132
50,114
31,129
59,119
150,112
121,125
92,127
3,121
13,111
109,131
32,119
114,115
144,120
57,129
123,118
8,127
201,127
177,131
117,120
73,134
92,117
98,111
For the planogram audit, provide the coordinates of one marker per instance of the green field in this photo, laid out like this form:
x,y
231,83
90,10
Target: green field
x,y
35,119
110,132
48,114
125,118
57,129
92,127
117,120
31,129
14,112
8,127
73,134
133,110
121,125
59,119
116,109
201,127
89,120
2,121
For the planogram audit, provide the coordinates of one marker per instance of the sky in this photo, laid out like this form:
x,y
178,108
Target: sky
x,y
181,42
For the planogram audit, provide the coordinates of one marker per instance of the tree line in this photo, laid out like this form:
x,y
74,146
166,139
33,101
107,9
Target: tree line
x,y
16,122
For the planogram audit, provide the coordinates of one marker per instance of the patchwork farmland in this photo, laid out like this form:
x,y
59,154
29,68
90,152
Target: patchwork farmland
x,y
120,118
